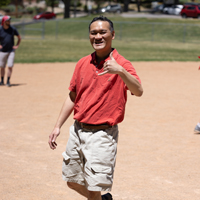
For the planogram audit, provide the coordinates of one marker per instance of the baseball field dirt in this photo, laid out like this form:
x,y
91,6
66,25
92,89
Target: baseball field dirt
x,y
158,153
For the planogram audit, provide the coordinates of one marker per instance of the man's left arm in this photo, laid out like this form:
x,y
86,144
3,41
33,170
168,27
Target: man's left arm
x,y
131,82
18,42
112,67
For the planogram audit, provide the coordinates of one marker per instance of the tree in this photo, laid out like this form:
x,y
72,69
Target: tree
x,y
67,8
17,3
138,5
50,3
126,3
4,3
98,3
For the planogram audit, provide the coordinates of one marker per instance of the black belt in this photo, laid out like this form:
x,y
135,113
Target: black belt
x,y
94,126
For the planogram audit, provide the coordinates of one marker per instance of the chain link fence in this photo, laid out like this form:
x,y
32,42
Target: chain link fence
x,y
125,31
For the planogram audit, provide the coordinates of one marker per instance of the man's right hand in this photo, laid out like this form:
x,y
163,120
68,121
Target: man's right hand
x,y
15,47
1,47
52,138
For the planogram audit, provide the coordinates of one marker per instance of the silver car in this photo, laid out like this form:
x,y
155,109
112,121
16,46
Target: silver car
x,y
112,8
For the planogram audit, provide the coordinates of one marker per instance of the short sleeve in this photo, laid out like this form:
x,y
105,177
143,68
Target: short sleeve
x,y
129,68
16,32
72,86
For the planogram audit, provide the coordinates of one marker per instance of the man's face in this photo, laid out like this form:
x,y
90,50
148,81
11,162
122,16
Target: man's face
x,y
7,23
100,35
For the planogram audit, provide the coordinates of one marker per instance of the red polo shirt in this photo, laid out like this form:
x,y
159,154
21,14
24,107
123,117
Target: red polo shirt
x,y
100,99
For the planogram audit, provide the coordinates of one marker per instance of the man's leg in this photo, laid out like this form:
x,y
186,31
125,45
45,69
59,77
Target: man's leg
x,y
72,165
72,171
3,60
90,195
11,58
94,195
78,188
2,75
9,73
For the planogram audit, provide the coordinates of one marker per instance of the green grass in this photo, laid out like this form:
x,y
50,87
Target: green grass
x,y
137,40
65,50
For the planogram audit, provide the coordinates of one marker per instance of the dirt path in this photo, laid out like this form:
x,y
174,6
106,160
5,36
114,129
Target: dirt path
x,y
158,154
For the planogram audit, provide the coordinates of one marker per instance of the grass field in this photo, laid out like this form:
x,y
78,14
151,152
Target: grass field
x,y
136,39
63,50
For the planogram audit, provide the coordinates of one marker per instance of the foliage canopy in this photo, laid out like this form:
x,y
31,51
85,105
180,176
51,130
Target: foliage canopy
x,y
4,3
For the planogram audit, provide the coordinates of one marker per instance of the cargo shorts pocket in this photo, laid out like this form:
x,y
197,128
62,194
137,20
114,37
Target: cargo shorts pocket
x,y
99,176
70,167
66,158
101,169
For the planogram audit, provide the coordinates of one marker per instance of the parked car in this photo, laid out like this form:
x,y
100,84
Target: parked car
x,y
165,9
158,8
1,17
112,8
190,10
173,10
45,15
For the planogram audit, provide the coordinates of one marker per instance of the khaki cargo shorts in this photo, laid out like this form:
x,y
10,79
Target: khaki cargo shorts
x,y
7,57
90,157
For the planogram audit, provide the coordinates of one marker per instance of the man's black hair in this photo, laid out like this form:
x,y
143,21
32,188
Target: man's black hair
x,y
102,18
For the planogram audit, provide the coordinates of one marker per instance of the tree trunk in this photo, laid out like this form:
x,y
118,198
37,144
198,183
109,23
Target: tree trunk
x,y
67,8
176,2
126,3
98,7
138,5
16,8
52,5
75,4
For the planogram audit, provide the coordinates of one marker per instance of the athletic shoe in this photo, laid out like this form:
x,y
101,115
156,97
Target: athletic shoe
x,y
107,196
1,83
197,129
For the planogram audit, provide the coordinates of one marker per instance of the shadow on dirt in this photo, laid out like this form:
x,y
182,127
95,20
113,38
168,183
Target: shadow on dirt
x,y
17,84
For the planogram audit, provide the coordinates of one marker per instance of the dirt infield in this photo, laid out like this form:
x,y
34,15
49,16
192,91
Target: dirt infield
x,y
158,154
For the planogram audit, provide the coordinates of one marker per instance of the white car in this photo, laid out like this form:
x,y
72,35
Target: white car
x,y
173,10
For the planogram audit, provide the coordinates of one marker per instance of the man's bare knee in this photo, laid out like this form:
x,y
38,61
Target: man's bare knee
x,y
72,185
78,188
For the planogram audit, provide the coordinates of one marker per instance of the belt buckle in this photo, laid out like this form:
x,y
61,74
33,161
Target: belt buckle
x,y
81,124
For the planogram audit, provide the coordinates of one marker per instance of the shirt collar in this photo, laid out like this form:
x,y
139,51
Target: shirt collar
x,y
93,58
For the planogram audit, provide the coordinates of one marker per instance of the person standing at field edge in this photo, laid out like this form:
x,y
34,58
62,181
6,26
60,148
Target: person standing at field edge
x,y
7,48
98,94
197,128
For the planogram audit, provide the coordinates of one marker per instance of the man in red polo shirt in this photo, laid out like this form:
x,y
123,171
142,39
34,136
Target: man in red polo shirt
x,y
98,94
